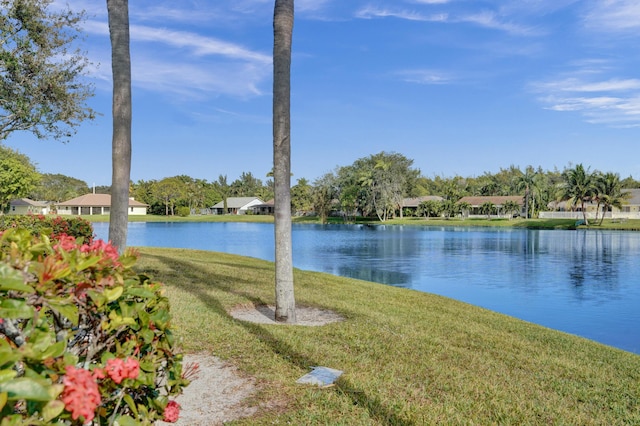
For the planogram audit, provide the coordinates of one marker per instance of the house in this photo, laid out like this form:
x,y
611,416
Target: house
x,y
266,208
411,204
96,204
27,206
567,210
476,202
237,205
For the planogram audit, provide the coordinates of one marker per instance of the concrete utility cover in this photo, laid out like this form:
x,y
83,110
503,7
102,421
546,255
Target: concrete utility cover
x,y
320,376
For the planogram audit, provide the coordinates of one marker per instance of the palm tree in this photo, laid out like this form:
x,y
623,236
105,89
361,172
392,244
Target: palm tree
x,y
487,208
282,36
609,192
579,187
118,11
510,207
527,181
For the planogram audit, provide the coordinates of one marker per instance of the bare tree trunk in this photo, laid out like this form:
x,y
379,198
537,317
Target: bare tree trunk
x,y
118,11
283,34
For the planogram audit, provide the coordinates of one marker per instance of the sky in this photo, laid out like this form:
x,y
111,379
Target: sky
x,y
461,87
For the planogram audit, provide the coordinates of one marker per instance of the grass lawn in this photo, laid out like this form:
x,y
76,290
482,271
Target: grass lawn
x,y
628,225
409,358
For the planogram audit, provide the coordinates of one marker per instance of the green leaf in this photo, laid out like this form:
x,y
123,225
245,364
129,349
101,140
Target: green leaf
x,y
97,297
141,292
132,405
12,279
15,309
113,293
126,421
87,263
3,399
7,375
65,308
53,351
52,409
25,388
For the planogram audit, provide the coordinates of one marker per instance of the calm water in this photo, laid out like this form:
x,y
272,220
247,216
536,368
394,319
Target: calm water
x,y
581,282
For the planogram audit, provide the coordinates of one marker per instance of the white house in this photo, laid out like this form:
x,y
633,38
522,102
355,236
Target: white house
x,y
27,206
96,204
237,205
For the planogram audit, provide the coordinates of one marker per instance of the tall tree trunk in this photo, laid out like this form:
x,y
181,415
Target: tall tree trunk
x,y
282,36
118,11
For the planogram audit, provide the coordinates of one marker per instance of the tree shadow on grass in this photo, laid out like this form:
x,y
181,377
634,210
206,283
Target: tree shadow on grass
x,y
377,410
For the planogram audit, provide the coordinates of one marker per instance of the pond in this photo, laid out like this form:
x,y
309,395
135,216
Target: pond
x,y
581,282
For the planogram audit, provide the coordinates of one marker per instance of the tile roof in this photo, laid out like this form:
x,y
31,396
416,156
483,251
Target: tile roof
x,y
27,202
96,200
236,202
497,200
414,202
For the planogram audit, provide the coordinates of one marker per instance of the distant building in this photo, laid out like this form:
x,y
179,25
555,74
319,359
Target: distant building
x,y
267,208
27,206
237,205
96,204
476,202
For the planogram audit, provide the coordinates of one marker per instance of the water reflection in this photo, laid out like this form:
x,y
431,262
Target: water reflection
x,y
581,282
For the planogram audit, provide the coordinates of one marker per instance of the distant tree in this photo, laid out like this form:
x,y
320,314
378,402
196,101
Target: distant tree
x,y
224,190
510,207
41,84
18,176
527,182
170,191
324,193
118,15
57,187
488,208
283,16
247,185
463,208
429,208
609,192
579,188
301,198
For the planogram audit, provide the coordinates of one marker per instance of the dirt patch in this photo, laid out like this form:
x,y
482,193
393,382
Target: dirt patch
x,y
219,393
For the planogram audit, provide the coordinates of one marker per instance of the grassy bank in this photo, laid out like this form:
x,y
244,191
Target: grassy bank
x,y
409,358
628,225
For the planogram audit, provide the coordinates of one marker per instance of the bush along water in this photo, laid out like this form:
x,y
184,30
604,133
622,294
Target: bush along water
x,y
83,338
49,225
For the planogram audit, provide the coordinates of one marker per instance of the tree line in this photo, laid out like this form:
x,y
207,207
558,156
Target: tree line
x,y
374,186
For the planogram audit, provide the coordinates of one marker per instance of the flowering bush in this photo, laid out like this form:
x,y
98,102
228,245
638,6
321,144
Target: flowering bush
x,y
83,338
52,226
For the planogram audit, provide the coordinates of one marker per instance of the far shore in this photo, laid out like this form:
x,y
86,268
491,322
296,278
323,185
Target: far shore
x,y
570,224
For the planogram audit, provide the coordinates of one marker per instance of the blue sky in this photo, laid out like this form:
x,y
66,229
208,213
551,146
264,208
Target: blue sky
x,y
462,87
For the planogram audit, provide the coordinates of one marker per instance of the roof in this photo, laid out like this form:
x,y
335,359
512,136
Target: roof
x,y
97,200
635,196
497,200
27,202
237,202
415,202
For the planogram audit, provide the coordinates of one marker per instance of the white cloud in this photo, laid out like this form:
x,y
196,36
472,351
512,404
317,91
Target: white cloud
x,y
425,76
370,12
614,15
199,45
610,101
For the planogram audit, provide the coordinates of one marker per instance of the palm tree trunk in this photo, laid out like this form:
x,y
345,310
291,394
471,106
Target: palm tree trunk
x,y
283,34
118,11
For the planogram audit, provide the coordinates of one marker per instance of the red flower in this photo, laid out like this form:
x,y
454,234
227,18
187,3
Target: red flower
x,y
172,412
81,396
119,369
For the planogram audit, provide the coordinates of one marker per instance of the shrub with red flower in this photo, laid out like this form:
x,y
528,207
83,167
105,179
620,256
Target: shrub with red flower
x,y
172,412
80,395
83,338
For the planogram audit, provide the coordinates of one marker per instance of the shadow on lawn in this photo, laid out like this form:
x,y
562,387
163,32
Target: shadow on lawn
x,y
359,397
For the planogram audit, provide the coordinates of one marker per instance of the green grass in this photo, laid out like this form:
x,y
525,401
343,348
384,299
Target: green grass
x,y
409,358
629,225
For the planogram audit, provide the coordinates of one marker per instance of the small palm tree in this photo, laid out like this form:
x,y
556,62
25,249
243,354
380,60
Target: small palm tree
x,y
510,207
579,187
488,208
609,192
